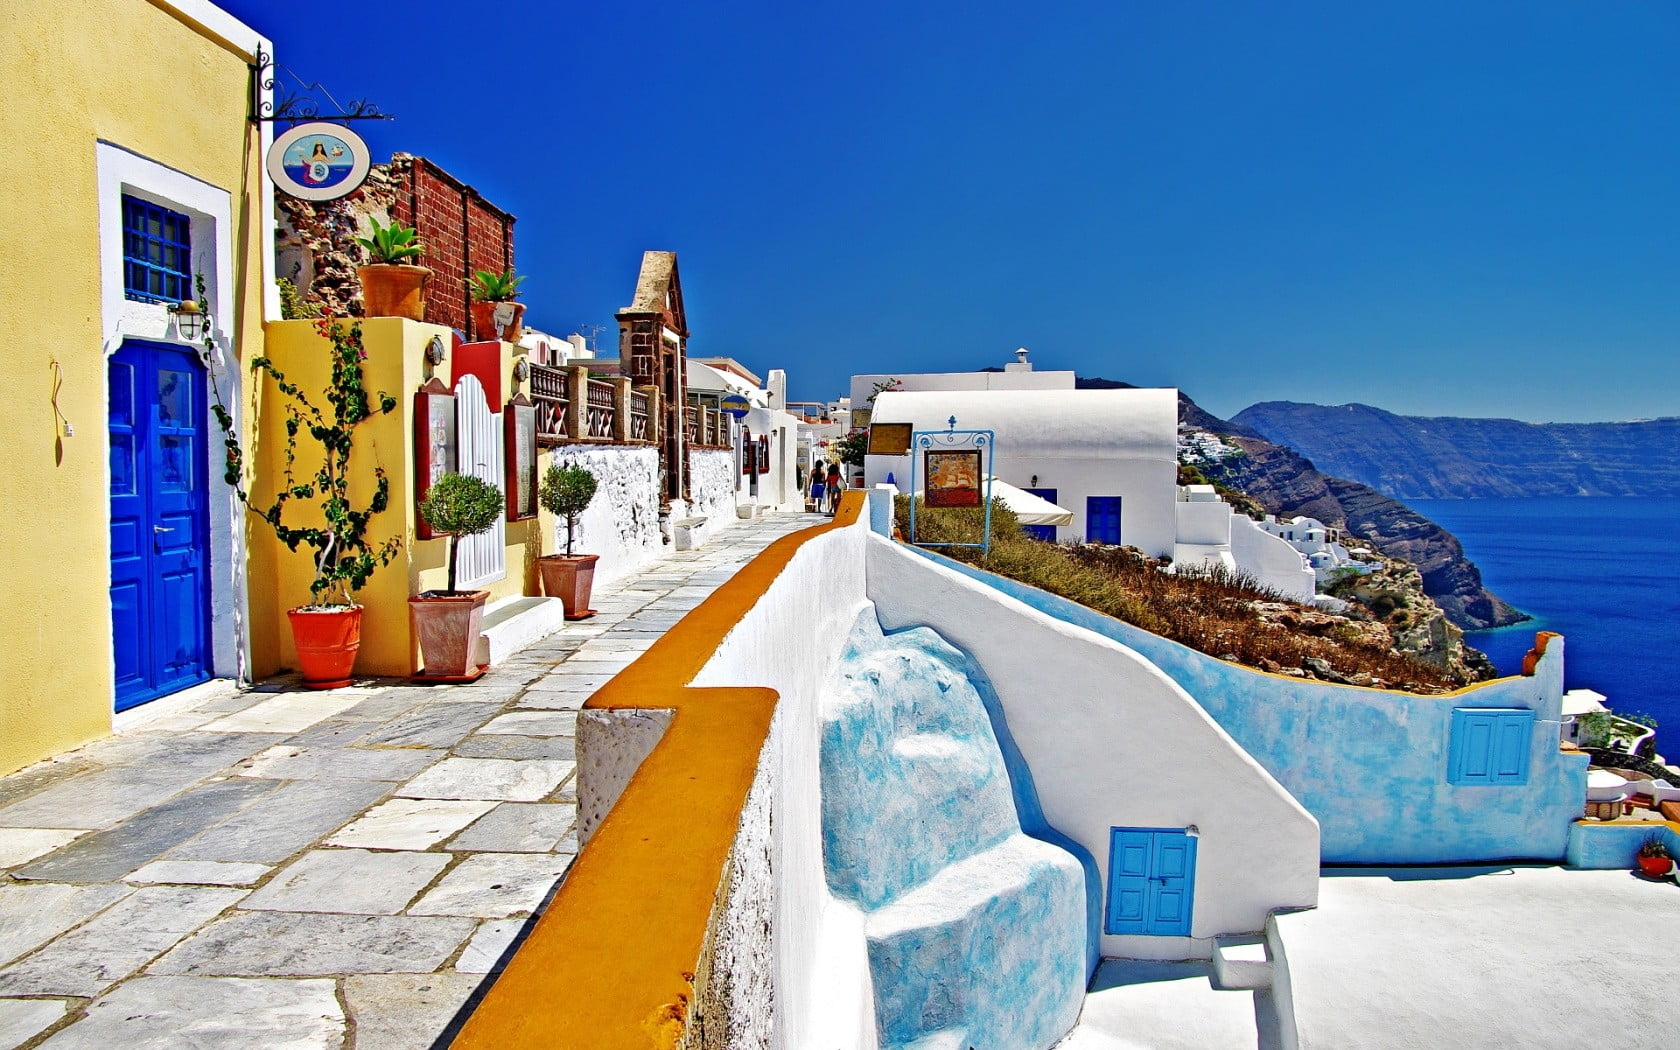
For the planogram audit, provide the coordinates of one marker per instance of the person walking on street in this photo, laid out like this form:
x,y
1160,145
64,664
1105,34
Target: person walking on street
x,y
816,488
835,484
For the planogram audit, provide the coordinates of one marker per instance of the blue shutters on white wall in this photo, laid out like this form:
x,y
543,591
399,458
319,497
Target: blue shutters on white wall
x,y
1489,745
1151,881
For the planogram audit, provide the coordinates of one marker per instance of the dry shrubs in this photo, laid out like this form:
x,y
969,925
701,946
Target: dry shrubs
x,y
1221,613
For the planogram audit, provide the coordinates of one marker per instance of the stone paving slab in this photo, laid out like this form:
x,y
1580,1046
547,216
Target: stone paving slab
x,y
302,944
124,938
282,868
349,881
109,855
24,1019
167,1013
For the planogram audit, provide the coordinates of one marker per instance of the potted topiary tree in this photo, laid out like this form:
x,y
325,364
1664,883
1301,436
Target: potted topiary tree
x,y
328,631
393,285
495,314
447,622
565,493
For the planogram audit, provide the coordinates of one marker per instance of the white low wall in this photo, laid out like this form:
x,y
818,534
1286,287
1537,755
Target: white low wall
x,y
711,486
790,641
1271,560
622,522
1111,741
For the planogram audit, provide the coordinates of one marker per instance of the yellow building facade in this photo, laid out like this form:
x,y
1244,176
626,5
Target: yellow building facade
x,y
129,149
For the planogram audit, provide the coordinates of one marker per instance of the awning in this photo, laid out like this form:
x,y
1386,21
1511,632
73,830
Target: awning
x,y
1029,509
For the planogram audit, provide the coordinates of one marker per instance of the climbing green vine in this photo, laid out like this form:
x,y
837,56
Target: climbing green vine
x,y
344,559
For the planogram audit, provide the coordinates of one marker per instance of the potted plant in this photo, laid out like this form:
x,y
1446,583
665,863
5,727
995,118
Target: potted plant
x,y
447,622
495,314
1654,858
392,284
565,493
328,631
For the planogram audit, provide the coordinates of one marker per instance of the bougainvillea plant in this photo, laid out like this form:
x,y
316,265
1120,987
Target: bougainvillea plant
x,y
344,559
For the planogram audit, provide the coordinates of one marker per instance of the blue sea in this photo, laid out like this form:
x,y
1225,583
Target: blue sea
x,y
1604,573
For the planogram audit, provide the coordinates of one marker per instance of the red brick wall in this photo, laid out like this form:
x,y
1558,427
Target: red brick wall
x,y
462,232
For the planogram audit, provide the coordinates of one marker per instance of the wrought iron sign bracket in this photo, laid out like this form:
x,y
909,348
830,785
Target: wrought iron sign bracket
x,y
271,100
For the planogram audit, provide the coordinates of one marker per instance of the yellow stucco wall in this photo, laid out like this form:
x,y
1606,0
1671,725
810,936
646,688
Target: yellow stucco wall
x,y
76,72
395,364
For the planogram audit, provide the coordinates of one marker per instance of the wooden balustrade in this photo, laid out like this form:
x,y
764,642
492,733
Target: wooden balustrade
x,y
565,416
602,411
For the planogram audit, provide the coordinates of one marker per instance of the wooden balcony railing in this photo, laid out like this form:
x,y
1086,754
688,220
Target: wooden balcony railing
x,y
575,406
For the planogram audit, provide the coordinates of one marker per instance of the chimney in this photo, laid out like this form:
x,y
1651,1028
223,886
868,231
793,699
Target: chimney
x,y
1020,364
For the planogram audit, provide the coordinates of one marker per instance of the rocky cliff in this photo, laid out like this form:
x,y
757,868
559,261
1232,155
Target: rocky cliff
x,y
1446,457
1286,483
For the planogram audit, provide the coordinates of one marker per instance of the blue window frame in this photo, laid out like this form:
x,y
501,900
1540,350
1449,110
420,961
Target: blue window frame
x,y
1102,519
1489,746
157,252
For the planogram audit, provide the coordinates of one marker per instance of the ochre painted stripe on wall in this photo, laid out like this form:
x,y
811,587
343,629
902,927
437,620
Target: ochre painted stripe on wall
x,y
611,964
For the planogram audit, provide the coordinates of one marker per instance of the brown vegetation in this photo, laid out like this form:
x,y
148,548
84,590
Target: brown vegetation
x,y
1221,613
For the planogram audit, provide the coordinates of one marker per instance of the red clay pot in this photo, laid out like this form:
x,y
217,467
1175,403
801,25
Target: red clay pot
x,y
447,626
484,321
570,579
1656,867
327,641
393,290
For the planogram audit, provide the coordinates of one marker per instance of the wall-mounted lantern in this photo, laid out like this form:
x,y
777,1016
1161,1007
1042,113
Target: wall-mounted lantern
x,y
434,351
190,321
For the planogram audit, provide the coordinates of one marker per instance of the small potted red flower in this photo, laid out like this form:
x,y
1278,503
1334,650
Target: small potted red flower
x,y
1654,858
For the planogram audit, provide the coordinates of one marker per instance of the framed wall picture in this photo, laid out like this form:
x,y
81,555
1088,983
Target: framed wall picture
x,y
519,424
889,439
434,442
953,478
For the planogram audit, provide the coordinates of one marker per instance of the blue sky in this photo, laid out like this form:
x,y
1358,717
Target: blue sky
x,y
1436,208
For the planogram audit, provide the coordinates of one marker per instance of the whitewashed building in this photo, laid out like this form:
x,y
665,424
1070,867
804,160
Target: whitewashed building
x,y
1213,533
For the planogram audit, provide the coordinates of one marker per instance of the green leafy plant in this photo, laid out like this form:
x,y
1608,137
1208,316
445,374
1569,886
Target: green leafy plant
x,y
491,287
1595,729
344,559
851,448
395,244
293,306
565,493
1653,846
460,505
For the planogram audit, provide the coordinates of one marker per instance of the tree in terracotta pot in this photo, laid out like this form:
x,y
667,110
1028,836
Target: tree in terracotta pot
x,y
448,622
495,313
327,632
565,493
393,284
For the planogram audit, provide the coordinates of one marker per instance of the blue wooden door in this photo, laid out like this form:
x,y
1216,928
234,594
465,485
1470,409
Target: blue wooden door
x,y
160,584
1102,519
1151,881
1042,532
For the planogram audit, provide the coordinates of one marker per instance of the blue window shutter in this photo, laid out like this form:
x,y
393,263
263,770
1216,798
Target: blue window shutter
x,y
1102,519
1151,881
1489,746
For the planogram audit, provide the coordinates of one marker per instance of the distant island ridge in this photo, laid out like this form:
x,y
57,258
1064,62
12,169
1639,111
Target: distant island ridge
x,y
1449,457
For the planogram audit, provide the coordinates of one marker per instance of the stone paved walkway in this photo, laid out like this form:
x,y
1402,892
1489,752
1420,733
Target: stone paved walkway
x,y
285,868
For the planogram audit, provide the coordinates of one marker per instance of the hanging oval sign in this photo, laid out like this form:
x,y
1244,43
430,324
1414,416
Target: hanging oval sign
x,y
318,161
735,405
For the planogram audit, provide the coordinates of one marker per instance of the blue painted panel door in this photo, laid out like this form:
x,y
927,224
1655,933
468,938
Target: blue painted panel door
x,y
1042,532
160,586
1102,519
1151,881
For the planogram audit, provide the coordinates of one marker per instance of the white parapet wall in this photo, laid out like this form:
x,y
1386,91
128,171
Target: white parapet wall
x,y
622,522
711,486
1112,742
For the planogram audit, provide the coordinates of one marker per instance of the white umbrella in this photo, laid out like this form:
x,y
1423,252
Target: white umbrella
x,y
1029,509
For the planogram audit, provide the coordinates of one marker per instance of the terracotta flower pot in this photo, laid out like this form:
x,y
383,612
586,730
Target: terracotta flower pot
x,y
484,318
327,641
570,579
393,290
448,627
1656,867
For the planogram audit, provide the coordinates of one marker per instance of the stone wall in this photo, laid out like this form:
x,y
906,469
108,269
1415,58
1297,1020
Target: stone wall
x,y
711,485
461,230
622,522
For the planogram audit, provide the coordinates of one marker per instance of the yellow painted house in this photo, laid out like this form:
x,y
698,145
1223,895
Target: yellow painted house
x,y
122,179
